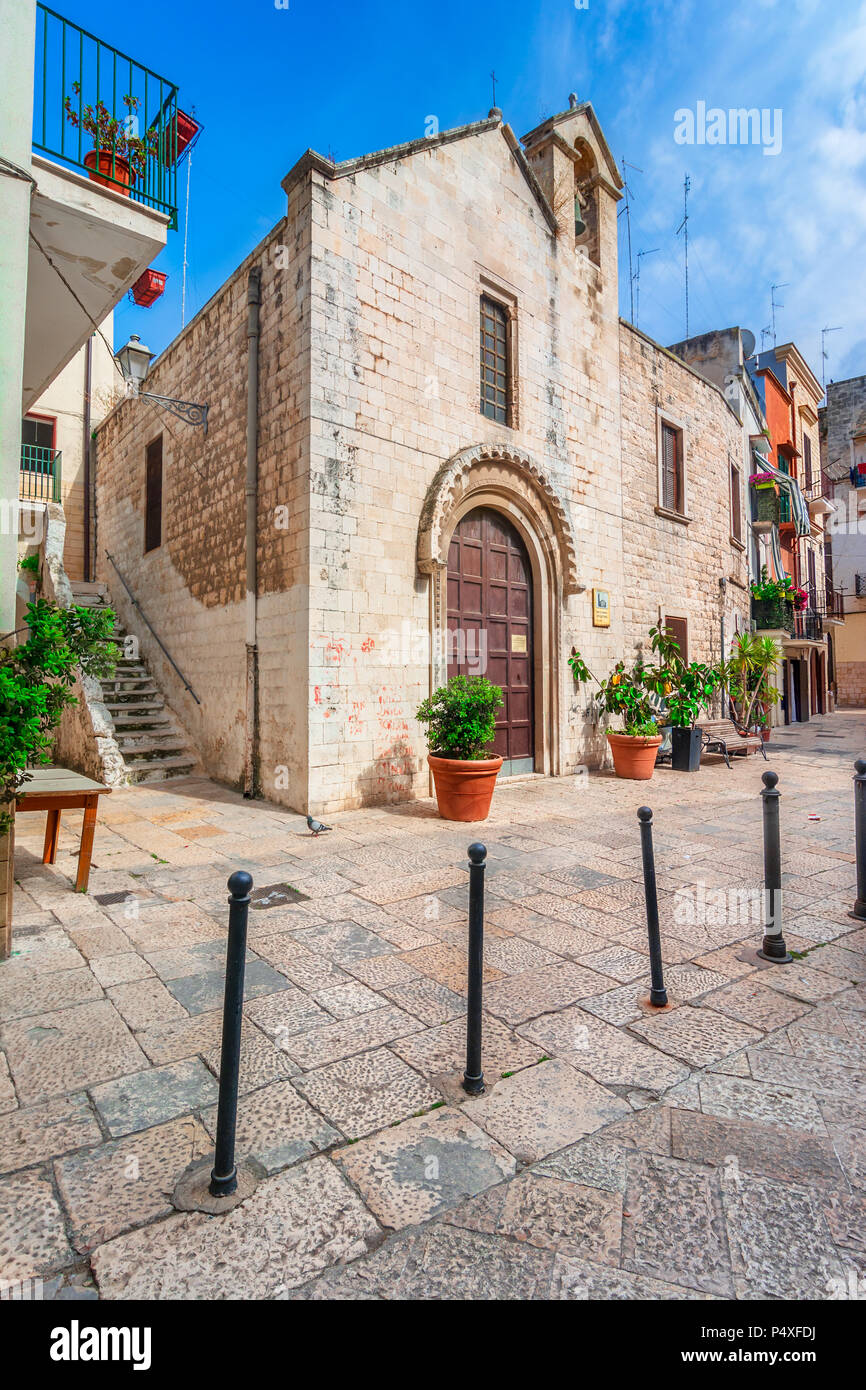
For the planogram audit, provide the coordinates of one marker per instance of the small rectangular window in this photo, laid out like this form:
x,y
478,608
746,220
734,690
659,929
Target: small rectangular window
x,y
678,628
672,469
153,495
495,349
736,513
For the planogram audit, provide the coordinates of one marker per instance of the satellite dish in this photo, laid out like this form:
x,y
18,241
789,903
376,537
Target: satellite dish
x,y
748,340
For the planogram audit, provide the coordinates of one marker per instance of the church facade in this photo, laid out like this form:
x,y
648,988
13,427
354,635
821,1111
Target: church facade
x,y
454,455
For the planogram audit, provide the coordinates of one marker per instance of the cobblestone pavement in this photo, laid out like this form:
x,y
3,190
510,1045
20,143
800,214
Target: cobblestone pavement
x,y
715,1150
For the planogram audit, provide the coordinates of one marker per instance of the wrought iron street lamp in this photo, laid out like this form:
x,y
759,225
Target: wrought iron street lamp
x,y
134,359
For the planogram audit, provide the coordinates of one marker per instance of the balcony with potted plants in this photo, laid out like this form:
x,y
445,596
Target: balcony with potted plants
x,y
107,136
765,502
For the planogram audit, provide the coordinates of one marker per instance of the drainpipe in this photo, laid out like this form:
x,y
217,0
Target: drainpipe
x,y
88,373
251,759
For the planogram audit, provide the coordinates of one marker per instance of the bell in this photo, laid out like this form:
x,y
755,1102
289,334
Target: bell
x,y
579,224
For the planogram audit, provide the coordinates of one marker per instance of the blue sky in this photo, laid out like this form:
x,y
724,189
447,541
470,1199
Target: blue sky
x,y
267,83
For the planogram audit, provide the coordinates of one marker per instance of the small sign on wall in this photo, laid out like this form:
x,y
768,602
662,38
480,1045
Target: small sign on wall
x,y
601,608
518,641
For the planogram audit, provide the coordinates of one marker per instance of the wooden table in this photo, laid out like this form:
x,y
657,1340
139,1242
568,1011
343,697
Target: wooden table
x,y
57,789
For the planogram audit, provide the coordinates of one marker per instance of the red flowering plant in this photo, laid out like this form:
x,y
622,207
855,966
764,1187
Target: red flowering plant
x,y
114,136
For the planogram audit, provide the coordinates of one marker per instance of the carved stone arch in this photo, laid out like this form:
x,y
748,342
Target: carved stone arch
x,y
510,481
521,482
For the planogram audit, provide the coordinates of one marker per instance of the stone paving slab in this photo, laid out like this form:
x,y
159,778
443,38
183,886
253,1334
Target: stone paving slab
x,y
696,1036
51,1053
734,1098
675,1229
780,1243
538,991
549,1212
38,1132
128,1181
294,1225
605,1053
365,1093
544,1108
743,1146
150,1097
32,1236
24,994
443,1050
409,1173
441,1263
277,1127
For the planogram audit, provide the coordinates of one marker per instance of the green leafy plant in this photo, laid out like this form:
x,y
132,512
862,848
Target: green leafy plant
x,y
625,692
746,677
29,564
461,717
36,679
113,135
783,590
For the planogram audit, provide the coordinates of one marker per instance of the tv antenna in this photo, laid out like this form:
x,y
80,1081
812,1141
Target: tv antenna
x,y
640,255
684,228
774,305
825,354
493,80
626,165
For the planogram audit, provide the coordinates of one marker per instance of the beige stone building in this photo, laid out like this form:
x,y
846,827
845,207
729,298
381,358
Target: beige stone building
x,y
843,458
56,440
453,454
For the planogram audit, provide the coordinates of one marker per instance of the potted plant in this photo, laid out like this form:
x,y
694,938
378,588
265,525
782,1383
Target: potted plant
x,y
461,720
746,676
774,601
626,693
766,498
118,156
687,688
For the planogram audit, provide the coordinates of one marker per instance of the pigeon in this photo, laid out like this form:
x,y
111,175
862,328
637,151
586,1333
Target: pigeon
x,y
316,826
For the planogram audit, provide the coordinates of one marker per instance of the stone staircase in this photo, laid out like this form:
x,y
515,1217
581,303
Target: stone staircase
x,y
151,744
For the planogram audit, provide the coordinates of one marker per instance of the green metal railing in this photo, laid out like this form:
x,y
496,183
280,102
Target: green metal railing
x,y
39,475
99,110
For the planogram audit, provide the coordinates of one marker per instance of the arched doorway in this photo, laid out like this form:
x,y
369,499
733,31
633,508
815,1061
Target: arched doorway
x,y
490,625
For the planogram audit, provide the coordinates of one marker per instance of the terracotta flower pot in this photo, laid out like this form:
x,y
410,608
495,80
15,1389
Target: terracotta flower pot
x,y
115,167
633,757
464,789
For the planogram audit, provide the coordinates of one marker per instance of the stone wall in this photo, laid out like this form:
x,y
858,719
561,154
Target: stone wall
x,y
192,587
673,567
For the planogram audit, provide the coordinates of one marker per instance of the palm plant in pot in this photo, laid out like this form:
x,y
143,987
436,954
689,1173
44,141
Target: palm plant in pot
x,y
626,693
747,677
461,721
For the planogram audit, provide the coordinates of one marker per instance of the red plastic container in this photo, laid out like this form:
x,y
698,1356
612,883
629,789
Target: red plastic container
x,y
173,145
148,287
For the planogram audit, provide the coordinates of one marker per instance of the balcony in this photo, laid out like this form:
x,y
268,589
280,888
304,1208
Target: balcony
x,y
819,494
105,145
39,474
100,111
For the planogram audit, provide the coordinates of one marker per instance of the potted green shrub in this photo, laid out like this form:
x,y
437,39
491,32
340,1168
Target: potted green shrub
x,y
746,676
461,723
688,689
626,693
118,156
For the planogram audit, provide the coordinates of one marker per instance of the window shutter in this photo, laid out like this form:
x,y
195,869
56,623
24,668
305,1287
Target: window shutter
x,y
736,519
678,628
807,459
153,495
671,489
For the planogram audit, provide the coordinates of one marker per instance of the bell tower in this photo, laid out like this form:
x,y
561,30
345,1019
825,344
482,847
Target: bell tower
x,y
570,158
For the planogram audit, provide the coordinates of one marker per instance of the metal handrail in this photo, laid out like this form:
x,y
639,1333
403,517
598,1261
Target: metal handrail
x,y
163,648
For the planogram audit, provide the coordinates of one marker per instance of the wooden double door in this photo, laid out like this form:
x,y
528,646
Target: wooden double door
x,y
490,625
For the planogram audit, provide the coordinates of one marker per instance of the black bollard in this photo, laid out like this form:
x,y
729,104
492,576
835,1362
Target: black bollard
x,y
859,909
224,1176
773,946
658,993
473,1077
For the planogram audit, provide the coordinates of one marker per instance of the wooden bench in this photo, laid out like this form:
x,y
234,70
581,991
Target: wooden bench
x,y
723,736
